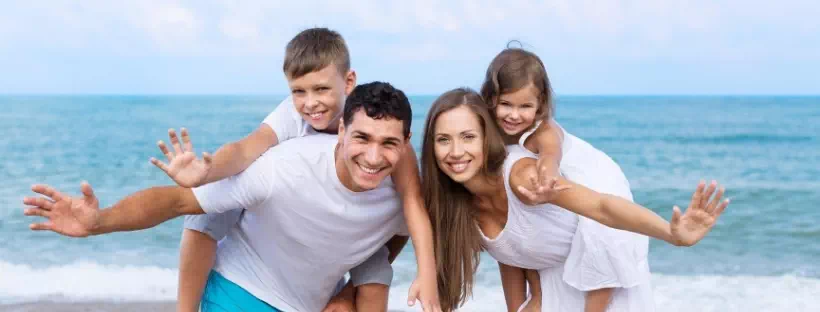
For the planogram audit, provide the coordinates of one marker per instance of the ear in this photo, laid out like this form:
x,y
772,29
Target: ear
x,y
341,132
350,81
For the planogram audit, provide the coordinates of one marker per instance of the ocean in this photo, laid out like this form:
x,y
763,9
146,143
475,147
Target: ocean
x,y
764,255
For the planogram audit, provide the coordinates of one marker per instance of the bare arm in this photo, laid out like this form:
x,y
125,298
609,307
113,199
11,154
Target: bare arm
x,y
546,142
197,257
408,184
233,158
514,284
619,213
146,209
597,300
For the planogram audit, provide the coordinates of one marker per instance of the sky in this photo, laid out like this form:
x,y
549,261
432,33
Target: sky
x,y
423,47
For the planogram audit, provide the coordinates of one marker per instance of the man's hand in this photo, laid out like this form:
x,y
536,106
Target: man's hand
x,y
183,167
69,216
700,217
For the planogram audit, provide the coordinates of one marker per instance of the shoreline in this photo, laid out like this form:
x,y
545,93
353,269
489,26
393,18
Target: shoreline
x,y
90,306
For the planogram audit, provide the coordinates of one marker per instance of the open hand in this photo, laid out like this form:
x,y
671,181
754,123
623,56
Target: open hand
x,y
69,216
701,216
183,167
425,291
544,188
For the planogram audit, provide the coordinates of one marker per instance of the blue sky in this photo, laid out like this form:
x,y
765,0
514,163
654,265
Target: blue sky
x,y
423,47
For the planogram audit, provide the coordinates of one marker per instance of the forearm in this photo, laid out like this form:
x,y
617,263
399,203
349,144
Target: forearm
x,y
625,215
372,298
598,300
514,284
197,256
421,232
146,209
229,160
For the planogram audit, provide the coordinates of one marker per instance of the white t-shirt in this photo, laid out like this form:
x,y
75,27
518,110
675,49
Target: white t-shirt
x,y
287,122
302,229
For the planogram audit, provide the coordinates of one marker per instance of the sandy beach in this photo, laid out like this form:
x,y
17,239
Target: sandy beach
x,y
89,307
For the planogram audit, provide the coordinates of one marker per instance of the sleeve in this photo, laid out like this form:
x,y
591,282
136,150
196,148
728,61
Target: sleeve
x,y
246,190
375,270
285,121
214,225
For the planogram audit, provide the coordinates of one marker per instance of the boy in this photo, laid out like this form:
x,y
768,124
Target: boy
x,y
317,68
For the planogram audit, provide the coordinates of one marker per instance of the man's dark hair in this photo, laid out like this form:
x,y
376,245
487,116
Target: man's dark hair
x,y
379,100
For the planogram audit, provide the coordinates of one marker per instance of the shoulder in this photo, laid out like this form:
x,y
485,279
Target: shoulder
x,y
301,149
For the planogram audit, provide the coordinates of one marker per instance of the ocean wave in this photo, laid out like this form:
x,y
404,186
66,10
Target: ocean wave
x,y
88,281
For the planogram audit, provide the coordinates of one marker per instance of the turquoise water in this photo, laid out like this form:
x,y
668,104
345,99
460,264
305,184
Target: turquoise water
x,y
765,150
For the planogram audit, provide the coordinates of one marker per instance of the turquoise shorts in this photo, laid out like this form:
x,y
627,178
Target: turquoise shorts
x,y
222,295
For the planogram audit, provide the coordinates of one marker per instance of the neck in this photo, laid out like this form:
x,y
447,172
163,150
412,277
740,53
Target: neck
x,y
341,170
511,139
332,128
483,186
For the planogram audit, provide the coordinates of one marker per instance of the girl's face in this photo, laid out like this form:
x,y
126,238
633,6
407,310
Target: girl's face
x,y
459,144
516,111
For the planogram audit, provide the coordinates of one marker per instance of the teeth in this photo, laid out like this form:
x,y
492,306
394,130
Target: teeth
x,y
369,170
315,115
459,167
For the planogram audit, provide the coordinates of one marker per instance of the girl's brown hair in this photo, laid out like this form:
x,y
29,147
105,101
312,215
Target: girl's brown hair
x,y
456,238
513,69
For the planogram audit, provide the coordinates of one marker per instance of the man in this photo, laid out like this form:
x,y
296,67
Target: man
x,y
314,208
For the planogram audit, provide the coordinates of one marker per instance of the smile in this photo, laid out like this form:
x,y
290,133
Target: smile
x,y
459,166
369,170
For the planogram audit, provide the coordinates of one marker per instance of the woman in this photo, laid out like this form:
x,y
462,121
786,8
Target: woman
x,y
478,199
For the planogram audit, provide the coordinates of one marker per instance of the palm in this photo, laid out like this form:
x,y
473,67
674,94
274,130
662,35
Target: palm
x,y
69,216
187,170
544,188
184,168
701,216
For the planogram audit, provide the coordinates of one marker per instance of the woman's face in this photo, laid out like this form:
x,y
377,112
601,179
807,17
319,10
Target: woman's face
x,y
459,143
516,111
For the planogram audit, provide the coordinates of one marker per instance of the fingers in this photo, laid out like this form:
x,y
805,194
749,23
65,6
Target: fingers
x,y
45,226
37,212
534,181
526,193
39,202
186,140
719,210
207,158
715,201
563,187
412,294
675,215
47,191
164,150
704,199
88,192
175,141
697,195
161,165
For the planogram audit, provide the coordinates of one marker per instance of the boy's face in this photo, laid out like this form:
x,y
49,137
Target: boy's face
x,y
319,96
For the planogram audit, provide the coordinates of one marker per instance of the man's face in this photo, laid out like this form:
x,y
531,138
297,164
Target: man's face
x,y
369,149
318,96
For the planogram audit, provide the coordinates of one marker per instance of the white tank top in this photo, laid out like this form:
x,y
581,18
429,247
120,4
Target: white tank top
x,y
535,237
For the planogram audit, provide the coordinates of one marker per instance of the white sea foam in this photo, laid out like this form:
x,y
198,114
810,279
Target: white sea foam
x,y
87,281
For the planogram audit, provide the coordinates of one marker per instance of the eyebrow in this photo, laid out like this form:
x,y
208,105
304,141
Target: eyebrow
x,y
386,139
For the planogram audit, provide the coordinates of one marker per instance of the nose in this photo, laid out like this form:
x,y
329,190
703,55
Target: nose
x,y
311,101
514,114
373,155
457,150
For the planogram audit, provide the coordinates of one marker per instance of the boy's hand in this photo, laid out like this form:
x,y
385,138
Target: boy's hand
x,y
425,291
184,168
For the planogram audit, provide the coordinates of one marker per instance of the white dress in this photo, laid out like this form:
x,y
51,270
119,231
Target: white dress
x,y
574,254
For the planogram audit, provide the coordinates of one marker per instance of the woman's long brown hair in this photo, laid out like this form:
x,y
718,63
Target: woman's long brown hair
x,y
456,238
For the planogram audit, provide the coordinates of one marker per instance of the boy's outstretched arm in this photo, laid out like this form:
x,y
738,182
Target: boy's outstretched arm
x,y
188,171
408,184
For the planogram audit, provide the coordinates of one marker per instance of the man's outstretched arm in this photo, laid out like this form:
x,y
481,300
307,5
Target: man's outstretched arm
x,y
81,216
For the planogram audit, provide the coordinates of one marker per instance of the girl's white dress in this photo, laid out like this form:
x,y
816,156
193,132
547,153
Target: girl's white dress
x,y
574,254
